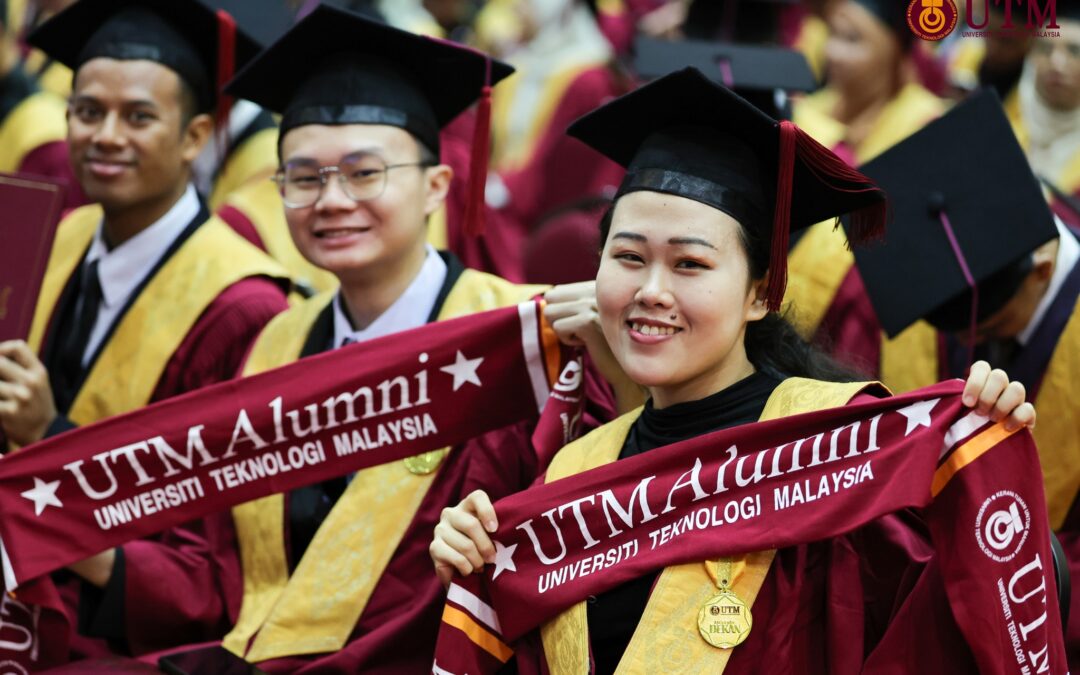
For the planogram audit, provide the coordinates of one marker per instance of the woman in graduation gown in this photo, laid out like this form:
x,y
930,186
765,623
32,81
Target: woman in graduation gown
x,y
872,101
691,276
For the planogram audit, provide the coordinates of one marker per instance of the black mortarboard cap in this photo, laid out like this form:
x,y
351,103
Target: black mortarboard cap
x,y
968,166
337,67
686,135
754,72
182,35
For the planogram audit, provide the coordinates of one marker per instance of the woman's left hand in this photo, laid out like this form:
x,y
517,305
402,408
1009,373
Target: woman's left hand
x,y
571,311
990,393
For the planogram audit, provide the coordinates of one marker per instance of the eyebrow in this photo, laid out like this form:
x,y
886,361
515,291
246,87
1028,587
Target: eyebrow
x,y
377,151
630,235
139,102
676,241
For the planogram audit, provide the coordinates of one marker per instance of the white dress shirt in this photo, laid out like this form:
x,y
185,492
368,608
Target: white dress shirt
x,y
410,310
123,268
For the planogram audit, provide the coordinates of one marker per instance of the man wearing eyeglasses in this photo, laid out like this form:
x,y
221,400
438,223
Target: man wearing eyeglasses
x,y
359,177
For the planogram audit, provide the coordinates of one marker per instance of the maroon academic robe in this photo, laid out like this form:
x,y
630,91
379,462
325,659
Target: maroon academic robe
x,y
397,629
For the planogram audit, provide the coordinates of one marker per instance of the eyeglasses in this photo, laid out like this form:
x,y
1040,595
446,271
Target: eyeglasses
x,y
361,175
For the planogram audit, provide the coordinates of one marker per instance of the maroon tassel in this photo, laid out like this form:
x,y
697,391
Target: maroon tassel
x,y
781,234
226,63
478,163
867,223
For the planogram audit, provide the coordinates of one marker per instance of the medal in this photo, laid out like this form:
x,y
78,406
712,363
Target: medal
x,y
425,462
725,620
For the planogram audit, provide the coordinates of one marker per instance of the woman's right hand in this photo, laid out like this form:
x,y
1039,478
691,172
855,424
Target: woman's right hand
x,y
461,541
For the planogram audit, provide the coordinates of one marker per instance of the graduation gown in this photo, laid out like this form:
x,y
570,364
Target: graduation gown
x,y
850,604
188,326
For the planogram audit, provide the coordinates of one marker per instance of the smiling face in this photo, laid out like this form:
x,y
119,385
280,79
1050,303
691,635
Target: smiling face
x,y
130,141
364,239
674,294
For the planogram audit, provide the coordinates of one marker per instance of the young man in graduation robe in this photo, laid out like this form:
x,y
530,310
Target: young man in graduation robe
x,y
1025,264
146,295
320,578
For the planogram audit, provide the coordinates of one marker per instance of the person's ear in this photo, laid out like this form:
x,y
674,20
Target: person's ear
x,y
195,136
436,186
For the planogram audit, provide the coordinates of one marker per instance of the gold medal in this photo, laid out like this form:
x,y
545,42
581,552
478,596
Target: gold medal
x,y
425,462
725,620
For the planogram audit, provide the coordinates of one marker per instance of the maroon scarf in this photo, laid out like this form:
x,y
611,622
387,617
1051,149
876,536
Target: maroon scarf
x,y
74,495
758,487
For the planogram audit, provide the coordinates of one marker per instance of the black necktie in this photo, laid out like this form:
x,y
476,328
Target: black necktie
x,y
73,344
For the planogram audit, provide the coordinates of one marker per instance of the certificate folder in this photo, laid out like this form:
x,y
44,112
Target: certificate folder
x,y
30,209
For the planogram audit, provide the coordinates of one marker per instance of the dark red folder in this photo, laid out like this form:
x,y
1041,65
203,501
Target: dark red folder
x,y
30,209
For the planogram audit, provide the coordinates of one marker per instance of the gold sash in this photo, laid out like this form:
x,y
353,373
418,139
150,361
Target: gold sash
x,y
667,639
260,202
37,120
128,370
316,609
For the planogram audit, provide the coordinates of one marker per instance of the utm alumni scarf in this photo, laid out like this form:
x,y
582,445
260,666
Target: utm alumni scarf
x,y
87,490
776,484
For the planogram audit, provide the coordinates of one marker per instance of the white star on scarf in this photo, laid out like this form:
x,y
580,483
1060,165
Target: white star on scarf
x,y
43,494
918,414
504,559
464,370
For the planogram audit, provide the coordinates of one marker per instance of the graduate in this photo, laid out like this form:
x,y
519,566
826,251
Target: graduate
x,y
146,296
871,102
335,576
1024,265
691,276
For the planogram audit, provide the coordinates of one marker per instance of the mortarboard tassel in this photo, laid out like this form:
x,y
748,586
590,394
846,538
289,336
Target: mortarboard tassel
x,y
478,164
781,234
226,62
867,223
